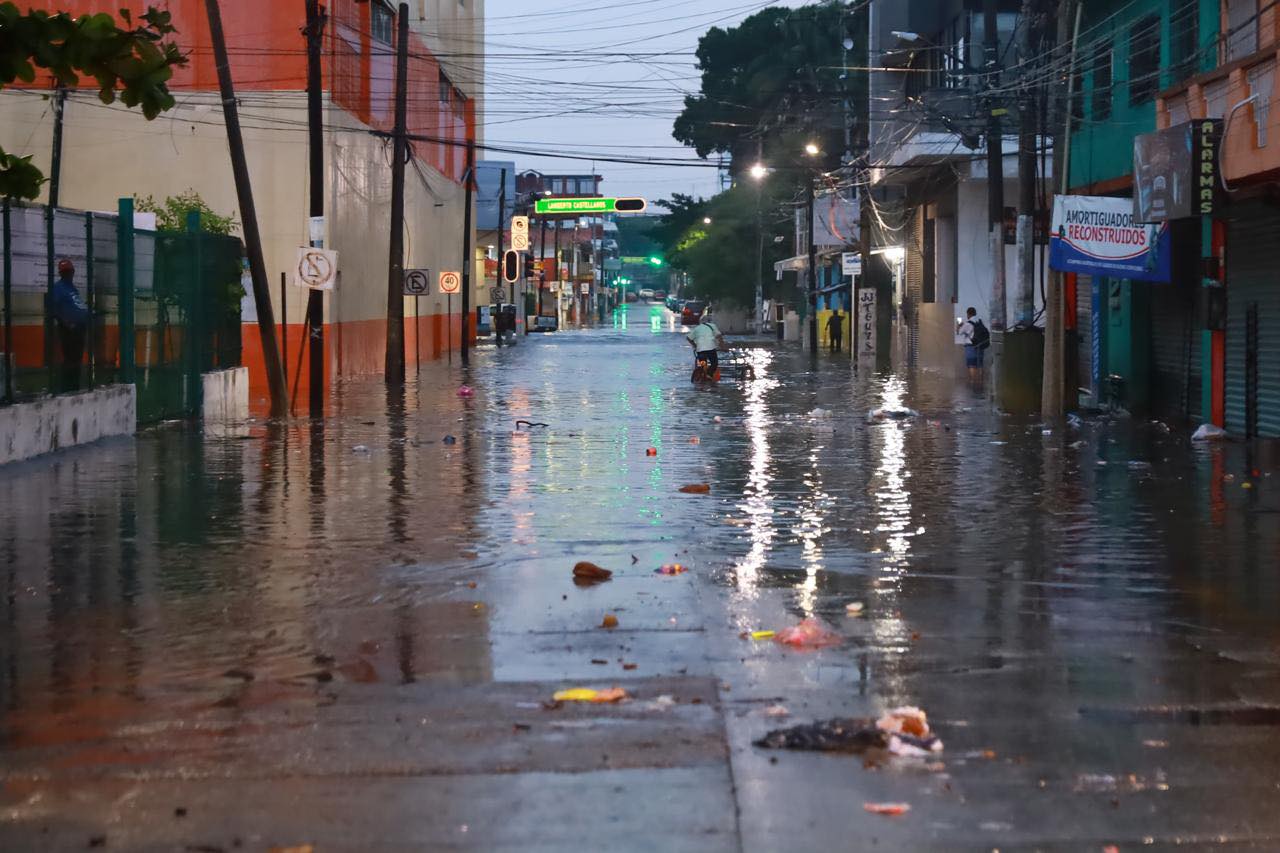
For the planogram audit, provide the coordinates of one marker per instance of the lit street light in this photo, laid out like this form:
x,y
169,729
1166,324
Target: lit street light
x,y
706,220
758,171
812,149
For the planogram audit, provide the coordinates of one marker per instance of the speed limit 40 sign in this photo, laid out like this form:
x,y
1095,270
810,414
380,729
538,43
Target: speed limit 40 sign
x,y
450,282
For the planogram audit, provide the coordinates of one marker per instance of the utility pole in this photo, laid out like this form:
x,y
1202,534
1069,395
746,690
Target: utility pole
x,y
1027,132
995,165
813,276
1053,392
315,143
400,149
467,260
502,220
760,179
248,217
55,168
542,256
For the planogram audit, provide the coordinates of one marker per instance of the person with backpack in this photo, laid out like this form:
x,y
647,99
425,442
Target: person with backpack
x,y
976,341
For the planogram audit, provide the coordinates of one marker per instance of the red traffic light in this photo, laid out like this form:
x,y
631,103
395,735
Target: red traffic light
x,y
630,205
511,266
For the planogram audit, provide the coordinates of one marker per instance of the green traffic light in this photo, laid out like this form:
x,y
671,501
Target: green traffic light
x,y
655,260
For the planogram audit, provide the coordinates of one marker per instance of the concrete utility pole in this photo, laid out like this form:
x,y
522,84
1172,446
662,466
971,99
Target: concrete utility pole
x,y
315,136
248,217
394,369
502,221
995,164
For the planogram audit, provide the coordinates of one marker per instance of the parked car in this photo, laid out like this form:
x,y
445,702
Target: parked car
x,y
691,313
659,296
646,294
673,303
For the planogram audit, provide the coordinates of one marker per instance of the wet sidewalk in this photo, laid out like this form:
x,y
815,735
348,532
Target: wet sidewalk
x,y
349,635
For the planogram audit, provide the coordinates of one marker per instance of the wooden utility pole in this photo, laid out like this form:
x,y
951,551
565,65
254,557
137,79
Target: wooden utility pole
x,y
1027,131
467,260
315,130
400,149
1053,392
248,217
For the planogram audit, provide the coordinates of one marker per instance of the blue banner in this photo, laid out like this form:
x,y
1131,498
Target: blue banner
x,y
1097,236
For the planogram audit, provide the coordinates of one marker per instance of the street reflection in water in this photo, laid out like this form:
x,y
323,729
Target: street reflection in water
x,y
294,601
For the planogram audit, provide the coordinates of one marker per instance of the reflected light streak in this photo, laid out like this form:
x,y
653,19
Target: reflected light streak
x,y
891,498
758,506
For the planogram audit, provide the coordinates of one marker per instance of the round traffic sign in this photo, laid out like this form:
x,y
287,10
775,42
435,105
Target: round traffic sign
x,y
314,269
415,283
450,282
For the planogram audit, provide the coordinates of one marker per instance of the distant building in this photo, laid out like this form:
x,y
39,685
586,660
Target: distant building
x,y
110,152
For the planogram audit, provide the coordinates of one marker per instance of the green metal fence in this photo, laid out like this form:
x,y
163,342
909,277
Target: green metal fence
x,y
162,307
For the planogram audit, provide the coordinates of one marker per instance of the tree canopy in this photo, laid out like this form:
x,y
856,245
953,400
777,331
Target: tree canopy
x,y
133,63
721,256
769,85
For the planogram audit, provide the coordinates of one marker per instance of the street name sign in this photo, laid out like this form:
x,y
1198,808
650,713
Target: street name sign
x,y
590,205
851,263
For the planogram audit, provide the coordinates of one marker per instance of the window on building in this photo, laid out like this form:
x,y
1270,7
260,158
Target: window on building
x,y
381,22
1077,95
1242,28
1144,60
445,85
1184,38
1102,59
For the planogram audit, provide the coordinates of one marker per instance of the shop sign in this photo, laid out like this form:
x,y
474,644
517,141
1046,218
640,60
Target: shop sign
x,y
1175,172
1097,235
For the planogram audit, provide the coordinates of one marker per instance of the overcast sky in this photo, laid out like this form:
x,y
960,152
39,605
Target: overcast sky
x,y
606,77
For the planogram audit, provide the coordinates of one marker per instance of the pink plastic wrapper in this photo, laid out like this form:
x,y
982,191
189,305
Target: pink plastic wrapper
x,y
809,634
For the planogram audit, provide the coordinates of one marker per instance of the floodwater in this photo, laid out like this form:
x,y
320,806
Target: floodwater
x,y
342,634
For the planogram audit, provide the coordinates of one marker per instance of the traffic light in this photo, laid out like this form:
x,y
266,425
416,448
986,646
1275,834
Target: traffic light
x,y
630,205
530,268
655,260
511,266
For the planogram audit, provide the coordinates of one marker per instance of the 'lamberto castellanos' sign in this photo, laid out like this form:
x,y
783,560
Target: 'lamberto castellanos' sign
x,y
1097,235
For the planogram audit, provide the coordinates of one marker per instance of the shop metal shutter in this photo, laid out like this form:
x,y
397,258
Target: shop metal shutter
x,y
1253,279
1175,351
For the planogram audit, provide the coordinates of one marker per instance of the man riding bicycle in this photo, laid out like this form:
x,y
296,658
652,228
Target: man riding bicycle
x,y
706,338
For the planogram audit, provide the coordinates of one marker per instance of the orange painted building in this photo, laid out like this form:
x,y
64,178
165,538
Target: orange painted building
x,y
110,152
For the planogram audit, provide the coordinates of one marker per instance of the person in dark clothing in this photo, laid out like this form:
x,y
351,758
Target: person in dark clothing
x,y
71,323
835,330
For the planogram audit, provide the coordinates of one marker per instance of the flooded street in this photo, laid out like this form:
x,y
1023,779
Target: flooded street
x,y
349,634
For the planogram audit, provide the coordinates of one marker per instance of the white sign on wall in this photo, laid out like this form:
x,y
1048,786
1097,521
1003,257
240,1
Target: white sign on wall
x,y
866,330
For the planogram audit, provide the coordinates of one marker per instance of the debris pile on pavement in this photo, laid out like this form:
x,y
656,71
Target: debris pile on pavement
x,y
809,634
887,809
1209,432
892,413
607,696
587,573
902,732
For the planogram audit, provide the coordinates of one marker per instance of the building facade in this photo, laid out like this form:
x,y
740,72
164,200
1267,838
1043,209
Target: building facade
x,y
110,152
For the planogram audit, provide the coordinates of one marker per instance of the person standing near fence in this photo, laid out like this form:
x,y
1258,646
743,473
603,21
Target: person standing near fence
x,y
71,320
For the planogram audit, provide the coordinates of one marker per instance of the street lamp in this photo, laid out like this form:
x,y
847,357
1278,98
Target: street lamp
x,y
706,220
758,171
812,149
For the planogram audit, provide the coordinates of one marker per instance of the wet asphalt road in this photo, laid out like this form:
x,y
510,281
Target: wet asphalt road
x,y
343,635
